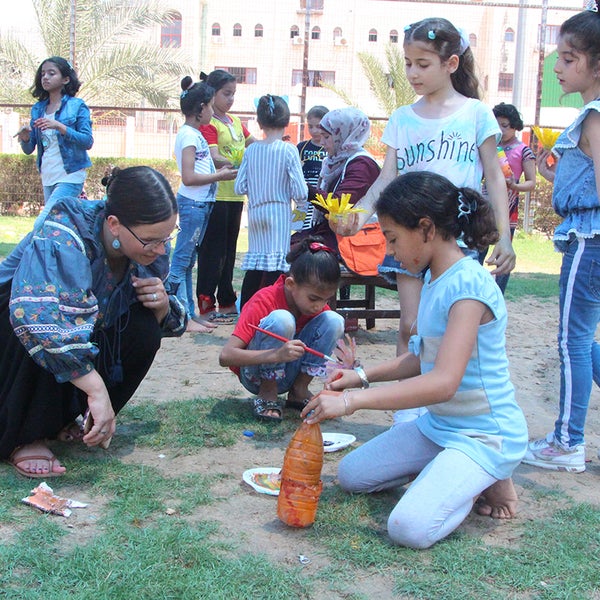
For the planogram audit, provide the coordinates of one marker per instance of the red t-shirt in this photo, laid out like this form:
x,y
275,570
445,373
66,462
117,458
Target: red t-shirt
x,y
263,303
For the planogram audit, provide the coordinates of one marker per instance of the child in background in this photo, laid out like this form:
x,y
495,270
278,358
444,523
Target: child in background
x,y
522,162
61,128
473,435
196,194
227,138
294,307
312,154
449,131
576,179
271,176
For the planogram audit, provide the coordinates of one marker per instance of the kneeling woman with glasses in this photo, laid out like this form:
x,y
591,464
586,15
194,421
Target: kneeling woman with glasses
x,y
83,309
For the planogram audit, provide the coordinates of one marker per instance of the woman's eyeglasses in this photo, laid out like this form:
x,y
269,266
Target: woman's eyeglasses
x,y
151,244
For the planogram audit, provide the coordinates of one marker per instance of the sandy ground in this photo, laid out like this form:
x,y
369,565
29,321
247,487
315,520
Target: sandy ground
x,y
531,342
187,368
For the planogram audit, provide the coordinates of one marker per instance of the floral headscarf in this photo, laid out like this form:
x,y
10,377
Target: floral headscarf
x,y
350,129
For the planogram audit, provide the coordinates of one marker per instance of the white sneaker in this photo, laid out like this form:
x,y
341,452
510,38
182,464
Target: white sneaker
x,y
547,454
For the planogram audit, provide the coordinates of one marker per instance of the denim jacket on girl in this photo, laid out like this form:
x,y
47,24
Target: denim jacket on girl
x,y
575,196
74,113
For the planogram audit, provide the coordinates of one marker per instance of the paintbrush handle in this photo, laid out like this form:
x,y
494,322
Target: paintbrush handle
x,y
283,339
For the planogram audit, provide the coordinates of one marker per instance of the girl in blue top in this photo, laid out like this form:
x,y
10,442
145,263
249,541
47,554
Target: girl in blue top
x,y
576,178
61,128
473,434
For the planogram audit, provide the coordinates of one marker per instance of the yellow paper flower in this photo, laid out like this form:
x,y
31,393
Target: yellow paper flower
x,y
235,155
546,136
336,206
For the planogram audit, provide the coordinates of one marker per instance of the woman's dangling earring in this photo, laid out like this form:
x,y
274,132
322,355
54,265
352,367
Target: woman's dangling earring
x,y
116,244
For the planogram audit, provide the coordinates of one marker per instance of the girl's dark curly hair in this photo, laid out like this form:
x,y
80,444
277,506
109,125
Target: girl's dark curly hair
x,y
454,211
66,70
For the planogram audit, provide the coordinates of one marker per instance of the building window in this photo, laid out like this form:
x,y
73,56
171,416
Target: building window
x,y
472,40
505,82
393,36
242,74
509,35
337,33
373,35
170,34
294,31
314,77
258,30
315,34
314,4
237,30
216,29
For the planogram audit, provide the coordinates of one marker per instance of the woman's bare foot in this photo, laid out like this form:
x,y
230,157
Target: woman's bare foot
x,y
499,501
200,326
36,460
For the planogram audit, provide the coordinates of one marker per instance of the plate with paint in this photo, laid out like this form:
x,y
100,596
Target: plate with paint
x,y
337,441
265,480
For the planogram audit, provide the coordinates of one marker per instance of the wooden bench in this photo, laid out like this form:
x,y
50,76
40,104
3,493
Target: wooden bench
x,y
363,307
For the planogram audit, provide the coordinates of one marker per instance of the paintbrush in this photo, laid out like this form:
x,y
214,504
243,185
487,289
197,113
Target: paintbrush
x,y
282,339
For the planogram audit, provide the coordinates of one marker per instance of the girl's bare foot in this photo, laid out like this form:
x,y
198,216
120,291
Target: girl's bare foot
x,y
499,501
199,326
36,460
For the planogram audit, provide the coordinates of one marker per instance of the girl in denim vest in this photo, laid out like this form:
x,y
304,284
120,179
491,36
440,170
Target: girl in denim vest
x,y
576,177
61,128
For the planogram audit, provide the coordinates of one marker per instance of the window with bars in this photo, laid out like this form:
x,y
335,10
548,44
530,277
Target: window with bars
x,y
170,33
242,74
315,78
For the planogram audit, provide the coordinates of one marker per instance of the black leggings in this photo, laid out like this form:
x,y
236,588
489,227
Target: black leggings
x,y
256,280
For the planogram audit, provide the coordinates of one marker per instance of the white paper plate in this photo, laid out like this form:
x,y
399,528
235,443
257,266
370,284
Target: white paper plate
x,y
336,441
259,477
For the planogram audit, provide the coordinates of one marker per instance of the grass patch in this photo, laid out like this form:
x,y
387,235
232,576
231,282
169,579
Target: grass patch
x,y
200,423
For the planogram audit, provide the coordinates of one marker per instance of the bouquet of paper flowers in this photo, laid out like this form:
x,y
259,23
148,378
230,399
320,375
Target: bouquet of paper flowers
x,y
235,156
546,136
336,208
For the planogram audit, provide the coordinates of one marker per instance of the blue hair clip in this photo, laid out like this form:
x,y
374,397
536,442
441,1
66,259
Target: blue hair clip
x,y
591,5
431,34
184,93
407,27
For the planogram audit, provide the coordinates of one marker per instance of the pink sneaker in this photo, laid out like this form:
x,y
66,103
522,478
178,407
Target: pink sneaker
x,y
547,454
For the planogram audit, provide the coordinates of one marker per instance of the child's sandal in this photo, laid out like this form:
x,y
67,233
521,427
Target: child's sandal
x,y
260,406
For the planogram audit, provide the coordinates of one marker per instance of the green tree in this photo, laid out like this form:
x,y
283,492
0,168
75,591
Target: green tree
x,y
113,57
387,82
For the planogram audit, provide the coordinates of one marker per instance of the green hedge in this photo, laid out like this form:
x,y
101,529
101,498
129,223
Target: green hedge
x,y
21,188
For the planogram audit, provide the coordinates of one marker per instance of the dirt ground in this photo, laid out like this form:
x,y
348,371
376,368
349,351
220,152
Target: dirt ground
x,y
193,359
188,368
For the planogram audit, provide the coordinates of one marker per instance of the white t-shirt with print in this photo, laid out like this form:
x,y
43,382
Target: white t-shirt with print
x,y
53,169
203,163
448,146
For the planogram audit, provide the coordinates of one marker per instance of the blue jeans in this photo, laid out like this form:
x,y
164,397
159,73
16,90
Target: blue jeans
x,y
53,193
320,333
578,351
193,220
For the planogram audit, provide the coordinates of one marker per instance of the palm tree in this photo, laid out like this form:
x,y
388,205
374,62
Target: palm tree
x,y
115,67
388,83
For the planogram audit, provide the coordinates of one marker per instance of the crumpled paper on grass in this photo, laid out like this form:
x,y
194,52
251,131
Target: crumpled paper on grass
x,y
43,498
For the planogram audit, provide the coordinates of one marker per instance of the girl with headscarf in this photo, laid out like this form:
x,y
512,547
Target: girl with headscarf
x,y
347,169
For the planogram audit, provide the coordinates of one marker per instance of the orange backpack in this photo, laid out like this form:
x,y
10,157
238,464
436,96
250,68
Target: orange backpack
x,y
364,251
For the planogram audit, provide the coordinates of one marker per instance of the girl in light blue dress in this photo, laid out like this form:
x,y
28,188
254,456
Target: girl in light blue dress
x,y
473,435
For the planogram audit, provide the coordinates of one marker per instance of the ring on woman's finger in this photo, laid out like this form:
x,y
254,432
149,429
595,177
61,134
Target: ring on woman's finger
x,y
154,297
103,432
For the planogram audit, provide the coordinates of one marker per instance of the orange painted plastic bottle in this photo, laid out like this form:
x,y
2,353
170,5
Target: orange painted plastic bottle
x,y
506,170
301,483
